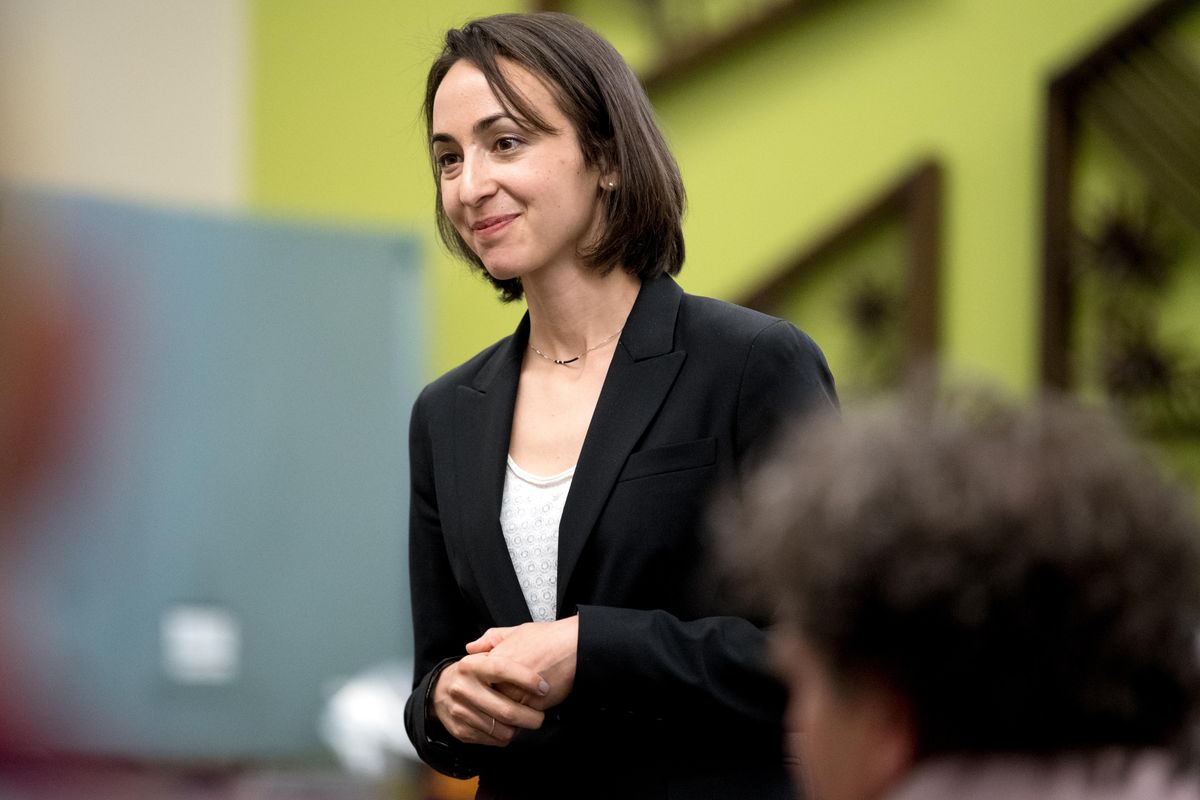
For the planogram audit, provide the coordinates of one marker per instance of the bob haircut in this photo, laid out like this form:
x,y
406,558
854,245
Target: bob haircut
x,y
613,121
1023,577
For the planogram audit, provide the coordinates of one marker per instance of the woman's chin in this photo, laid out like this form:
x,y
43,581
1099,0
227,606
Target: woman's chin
x,y
502,272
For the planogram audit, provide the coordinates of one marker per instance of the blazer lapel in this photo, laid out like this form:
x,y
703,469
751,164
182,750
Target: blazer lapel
x,y
643,369
483,413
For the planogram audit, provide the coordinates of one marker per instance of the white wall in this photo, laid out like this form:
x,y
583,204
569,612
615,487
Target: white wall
x,y
136,99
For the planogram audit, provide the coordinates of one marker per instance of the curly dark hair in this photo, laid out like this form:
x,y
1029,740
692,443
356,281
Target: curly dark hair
x,y
1025,578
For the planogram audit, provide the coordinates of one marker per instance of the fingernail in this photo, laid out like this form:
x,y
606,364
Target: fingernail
x,y
543,687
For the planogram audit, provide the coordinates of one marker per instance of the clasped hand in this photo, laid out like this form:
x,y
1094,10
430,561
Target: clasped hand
x,y
508,678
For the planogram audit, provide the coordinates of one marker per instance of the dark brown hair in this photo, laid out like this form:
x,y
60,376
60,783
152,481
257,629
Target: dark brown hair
x,y
614,123
1024,577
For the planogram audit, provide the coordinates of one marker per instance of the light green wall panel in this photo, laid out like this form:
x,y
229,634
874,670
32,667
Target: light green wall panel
x,y
337,133
786,139
776,144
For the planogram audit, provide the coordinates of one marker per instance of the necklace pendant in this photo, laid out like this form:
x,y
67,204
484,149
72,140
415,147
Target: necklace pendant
x,y
562,362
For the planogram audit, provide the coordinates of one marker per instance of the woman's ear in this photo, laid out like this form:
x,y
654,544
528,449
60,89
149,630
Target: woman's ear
x,y
606,164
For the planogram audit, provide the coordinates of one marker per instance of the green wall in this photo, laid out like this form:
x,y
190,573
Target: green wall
x,y
336,132
776,144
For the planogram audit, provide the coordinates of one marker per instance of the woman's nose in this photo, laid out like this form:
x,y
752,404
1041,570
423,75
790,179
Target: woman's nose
x,y
476,183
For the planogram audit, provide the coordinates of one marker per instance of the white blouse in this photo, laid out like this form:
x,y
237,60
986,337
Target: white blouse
x,y
529,516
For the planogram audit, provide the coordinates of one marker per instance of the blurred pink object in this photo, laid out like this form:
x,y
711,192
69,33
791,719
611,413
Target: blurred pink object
x,y
37,364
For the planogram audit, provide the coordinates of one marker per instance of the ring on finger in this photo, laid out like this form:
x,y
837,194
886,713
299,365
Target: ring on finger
x,y
493,730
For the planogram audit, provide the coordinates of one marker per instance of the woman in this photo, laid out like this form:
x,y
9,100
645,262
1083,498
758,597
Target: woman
x,y
566,642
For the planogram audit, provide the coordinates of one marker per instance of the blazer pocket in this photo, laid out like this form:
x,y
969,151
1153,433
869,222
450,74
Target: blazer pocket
x,y
671,458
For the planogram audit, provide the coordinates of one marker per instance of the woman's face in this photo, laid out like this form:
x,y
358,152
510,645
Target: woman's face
x,y
523,200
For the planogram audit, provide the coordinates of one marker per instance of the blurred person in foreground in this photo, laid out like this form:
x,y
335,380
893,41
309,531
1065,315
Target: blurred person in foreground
x,y
978,601
36,366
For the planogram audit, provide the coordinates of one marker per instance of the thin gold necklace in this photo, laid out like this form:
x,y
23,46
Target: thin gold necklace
x,y
565,361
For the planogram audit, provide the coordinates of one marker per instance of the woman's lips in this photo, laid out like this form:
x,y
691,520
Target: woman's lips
x,y
489,226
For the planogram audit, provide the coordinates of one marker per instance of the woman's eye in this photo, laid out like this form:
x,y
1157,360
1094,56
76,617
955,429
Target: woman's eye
x,y
507,143
447,160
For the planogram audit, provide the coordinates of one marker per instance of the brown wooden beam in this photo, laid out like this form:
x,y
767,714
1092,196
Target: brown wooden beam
x,y
1057,179
1063,99
915,199
922,208
685,61
1127,37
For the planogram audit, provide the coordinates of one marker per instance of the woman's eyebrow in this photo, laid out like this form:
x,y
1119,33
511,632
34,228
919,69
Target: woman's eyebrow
x,y
477,129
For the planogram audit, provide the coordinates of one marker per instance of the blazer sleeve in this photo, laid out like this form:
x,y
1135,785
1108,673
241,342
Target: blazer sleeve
x,y
785,378
442,622
649,662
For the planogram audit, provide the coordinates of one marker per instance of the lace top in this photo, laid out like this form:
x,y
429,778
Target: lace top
x,y
529,515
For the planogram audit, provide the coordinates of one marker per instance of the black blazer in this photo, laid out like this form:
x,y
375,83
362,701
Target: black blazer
x,y
671,697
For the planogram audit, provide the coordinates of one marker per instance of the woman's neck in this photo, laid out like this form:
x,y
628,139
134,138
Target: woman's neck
x,y
573,310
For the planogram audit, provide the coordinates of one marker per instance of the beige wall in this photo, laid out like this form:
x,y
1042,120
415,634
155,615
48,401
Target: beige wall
x,y
139,99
